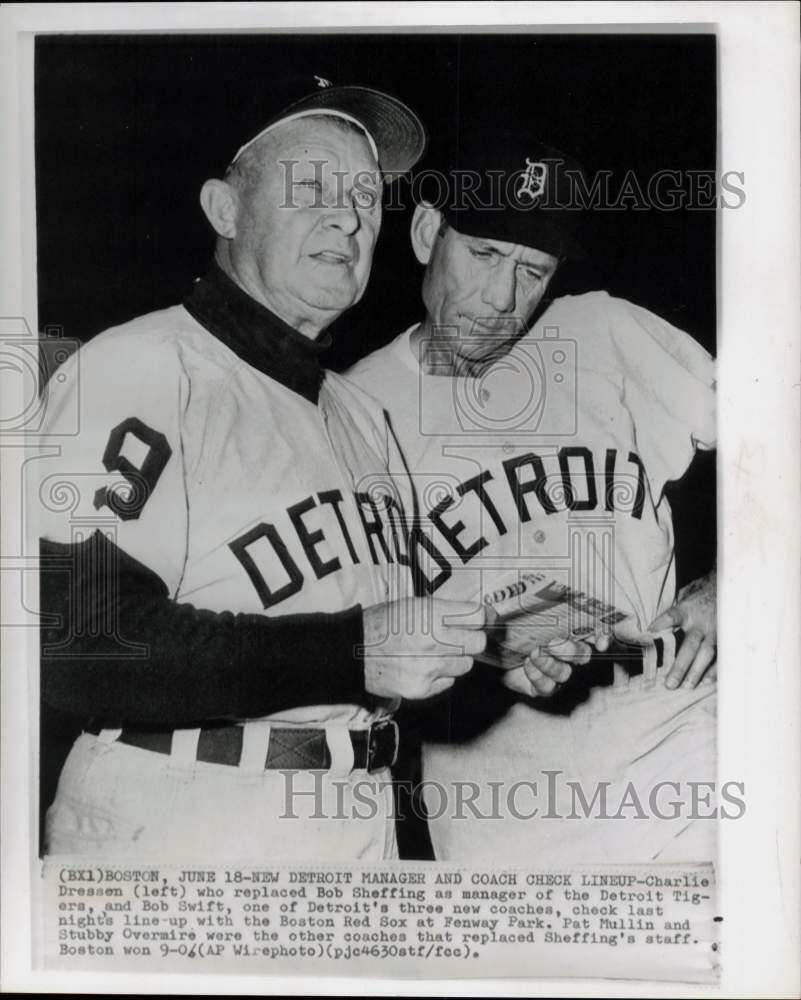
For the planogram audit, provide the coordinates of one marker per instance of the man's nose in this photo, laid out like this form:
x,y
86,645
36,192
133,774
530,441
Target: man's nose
x,y
344,215
500,290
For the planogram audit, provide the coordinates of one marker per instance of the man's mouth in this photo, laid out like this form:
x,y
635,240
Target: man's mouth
x,y
488,325
333,257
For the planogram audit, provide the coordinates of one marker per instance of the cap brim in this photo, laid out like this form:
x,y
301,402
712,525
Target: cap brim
x,y
396,130
536,230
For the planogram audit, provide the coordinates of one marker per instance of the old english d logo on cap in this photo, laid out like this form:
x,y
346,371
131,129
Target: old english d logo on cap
x,y
531,186
521,188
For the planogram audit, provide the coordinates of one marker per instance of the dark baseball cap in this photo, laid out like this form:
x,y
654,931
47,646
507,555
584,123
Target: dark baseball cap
x,y
504,184
396,134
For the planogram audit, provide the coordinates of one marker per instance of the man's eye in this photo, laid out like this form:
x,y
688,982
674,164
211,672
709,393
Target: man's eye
x,y
309,187
531,275
481,253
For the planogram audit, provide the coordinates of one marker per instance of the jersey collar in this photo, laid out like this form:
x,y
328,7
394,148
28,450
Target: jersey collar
x,y
257,335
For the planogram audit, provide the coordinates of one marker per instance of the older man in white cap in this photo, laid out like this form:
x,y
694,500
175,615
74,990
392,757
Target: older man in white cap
x,y
216,592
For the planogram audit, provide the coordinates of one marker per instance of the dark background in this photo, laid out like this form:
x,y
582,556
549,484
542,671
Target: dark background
x,y
129,127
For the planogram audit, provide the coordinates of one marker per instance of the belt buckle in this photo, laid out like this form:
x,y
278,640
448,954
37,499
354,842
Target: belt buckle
x,y
377,738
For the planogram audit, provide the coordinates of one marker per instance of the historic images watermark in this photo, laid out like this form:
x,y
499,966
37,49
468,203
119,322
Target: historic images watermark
x,y
315,184
553,798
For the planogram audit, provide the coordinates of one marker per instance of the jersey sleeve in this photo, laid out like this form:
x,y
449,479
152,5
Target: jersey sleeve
x,y
668,388
116,648
113,455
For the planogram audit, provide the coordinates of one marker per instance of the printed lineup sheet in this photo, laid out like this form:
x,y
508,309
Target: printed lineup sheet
x,y
531,610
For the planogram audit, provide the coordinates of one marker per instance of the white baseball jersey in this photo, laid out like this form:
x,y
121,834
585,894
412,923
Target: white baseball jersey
x,y
555,458
247,489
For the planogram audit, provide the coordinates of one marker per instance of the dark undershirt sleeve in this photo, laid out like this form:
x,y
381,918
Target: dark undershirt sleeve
x,y
117,649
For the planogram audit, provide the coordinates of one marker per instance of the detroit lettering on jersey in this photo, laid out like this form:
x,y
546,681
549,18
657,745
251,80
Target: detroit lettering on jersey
x,y
518,490
556,456
384,530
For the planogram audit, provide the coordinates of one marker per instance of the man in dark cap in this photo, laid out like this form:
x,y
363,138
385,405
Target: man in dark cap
x,y
218,589
541,436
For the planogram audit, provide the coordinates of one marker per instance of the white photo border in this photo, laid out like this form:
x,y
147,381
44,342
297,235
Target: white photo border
x,y
759,469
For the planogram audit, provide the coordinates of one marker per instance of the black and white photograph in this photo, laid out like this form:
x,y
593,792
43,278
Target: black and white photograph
x,y
546,420
376,501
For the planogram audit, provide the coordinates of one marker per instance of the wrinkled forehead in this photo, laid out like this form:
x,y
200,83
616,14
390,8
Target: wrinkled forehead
x,y
517,251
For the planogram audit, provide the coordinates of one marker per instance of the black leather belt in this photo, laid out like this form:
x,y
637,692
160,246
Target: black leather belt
x,y
289,749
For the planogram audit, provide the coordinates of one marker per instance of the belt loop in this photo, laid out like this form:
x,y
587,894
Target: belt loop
x,y
109,735
255,744
649,663
183,753
669,651
340,747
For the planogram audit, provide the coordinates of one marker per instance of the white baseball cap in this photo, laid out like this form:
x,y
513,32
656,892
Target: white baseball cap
x,y
395,133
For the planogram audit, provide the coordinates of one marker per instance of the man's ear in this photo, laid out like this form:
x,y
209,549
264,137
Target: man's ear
x,y
426,223
220,204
